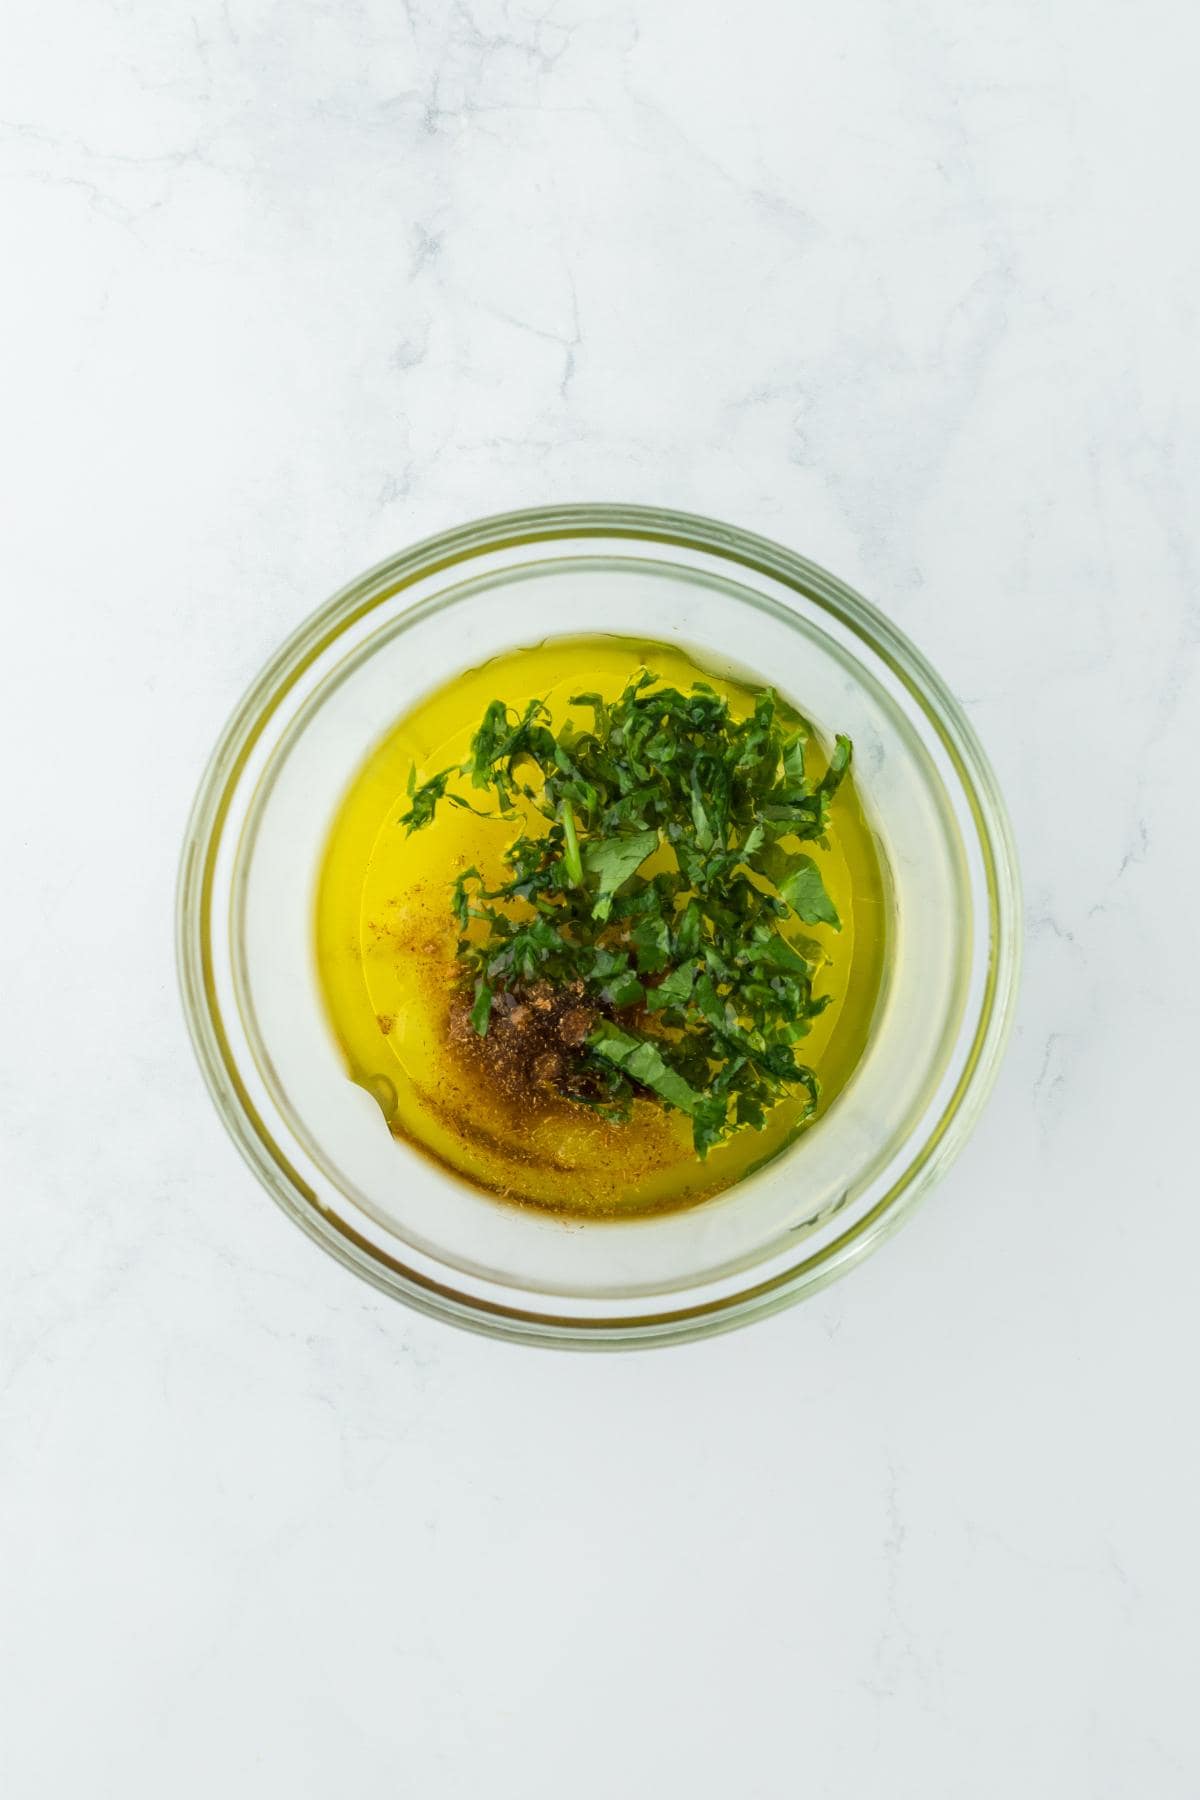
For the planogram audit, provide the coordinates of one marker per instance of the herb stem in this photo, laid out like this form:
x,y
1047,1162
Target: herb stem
x,y
572,857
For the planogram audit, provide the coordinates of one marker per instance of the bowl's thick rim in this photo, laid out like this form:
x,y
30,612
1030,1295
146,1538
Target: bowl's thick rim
x,y
504,532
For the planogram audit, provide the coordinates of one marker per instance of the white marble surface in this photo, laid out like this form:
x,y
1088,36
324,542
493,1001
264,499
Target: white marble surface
x,y
912,286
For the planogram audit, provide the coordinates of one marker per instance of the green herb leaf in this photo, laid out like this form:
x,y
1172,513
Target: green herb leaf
x,y
643,1063
839,763
804,892
623,991
613,860
674,990
651,941
793,762
780,954
481,1012
424,799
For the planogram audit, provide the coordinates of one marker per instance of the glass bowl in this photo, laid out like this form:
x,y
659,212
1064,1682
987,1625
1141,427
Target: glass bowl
x,y
247,966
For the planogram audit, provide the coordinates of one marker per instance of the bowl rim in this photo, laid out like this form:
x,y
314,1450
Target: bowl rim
x,y
446,550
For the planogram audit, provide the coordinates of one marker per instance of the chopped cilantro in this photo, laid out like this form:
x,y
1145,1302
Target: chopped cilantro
x,y
694,992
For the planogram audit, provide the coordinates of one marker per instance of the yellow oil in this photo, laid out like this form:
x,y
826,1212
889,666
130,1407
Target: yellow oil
x,y
385,944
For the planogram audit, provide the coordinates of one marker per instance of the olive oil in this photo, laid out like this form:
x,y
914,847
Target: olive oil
x,y
386,938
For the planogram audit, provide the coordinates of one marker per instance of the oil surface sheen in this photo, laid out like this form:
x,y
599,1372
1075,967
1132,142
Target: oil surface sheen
x,y
385,940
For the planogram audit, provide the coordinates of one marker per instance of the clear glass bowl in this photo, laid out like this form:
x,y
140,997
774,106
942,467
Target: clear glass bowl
x,y
245,926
